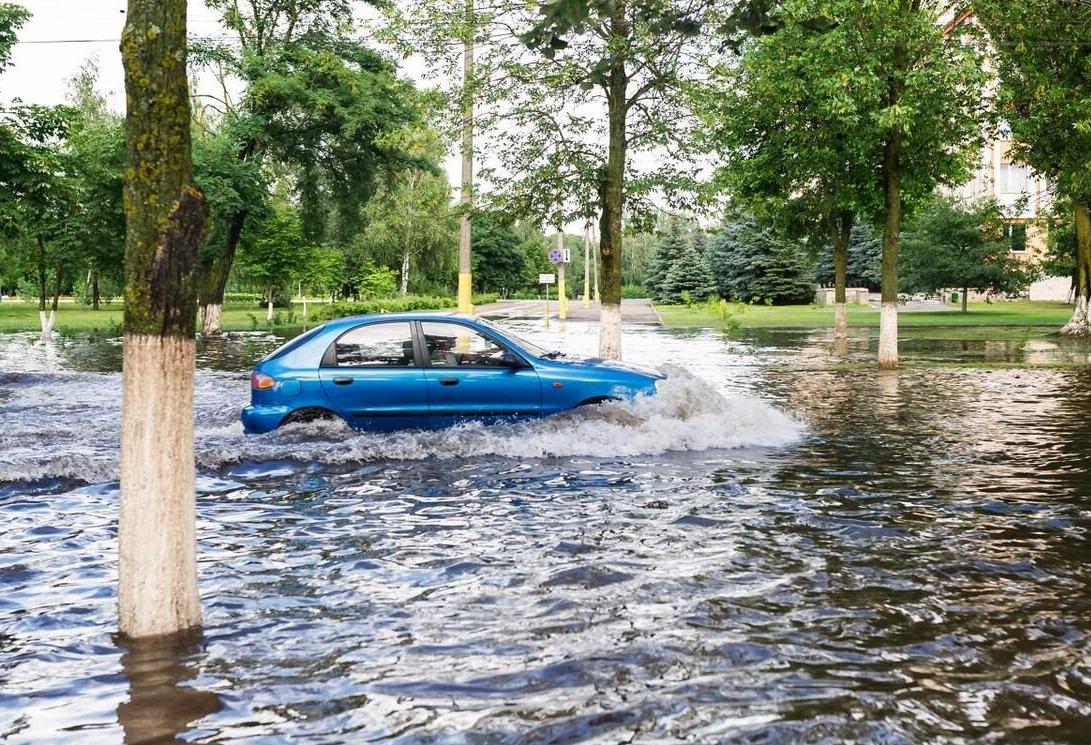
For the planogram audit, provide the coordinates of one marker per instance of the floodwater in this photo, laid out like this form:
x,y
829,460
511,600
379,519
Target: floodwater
x,y
783,547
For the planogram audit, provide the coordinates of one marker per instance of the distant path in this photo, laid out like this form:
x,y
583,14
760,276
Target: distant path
x,y
914,306
632,311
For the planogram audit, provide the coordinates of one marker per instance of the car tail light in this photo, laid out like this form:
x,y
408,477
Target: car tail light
x,y
261,381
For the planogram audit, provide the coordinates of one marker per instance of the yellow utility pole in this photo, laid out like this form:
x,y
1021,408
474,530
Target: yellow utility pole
x,y
465,224
595,257
587,264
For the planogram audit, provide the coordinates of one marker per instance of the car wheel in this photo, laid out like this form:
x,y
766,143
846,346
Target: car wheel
x,y
309,415
597,400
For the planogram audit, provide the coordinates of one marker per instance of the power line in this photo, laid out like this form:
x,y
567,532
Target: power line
x,y
114,40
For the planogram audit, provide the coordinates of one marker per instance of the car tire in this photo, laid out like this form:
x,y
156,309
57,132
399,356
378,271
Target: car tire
x,y
309,415
597,400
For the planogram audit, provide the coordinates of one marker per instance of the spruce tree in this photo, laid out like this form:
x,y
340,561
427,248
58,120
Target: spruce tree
x,y
688,274
750,263
666,254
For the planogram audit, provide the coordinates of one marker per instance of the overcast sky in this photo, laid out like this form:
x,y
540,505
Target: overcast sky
x,y
62,34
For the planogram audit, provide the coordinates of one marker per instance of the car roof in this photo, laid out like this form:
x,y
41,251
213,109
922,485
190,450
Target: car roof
x,y
410,316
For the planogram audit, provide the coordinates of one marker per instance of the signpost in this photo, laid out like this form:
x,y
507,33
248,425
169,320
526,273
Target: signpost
x,y
547,280
559,257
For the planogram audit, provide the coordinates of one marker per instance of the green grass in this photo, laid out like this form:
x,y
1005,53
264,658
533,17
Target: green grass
x,y
1020,317
75,318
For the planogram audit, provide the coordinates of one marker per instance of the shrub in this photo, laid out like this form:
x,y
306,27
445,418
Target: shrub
x,y
396,305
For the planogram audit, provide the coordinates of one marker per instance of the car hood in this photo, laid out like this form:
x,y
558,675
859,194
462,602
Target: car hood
x,y
612,365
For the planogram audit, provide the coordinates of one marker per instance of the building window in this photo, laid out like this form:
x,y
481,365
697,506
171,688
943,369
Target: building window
x,y
1014,178
1016,233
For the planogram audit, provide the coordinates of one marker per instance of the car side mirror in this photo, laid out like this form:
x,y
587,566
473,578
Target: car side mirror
x,y
513,361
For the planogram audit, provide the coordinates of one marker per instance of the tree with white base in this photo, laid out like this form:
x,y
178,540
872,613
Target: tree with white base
x,y
164,217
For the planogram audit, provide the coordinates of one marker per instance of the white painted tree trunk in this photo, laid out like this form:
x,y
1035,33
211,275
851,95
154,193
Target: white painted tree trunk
x,y
269,309
610,332
405,272
157,555
304,299
211,319
840,321
47,322
1079,324
888,336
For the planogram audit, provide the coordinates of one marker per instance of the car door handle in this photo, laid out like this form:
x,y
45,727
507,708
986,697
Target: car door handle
x,y
448,381
342,381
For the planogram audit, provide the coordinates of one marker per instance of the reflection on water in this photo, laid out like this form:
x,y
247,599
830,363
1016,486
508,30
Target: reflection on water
x,y
908,565
161,707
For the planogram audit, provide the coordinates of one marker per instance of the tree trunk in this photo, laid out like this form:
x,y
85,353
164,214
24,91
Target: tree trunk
x,y
95,296
214,273
41,274
465,198
965,293
841,232
892,194
1079,324
47,322
269,304
404,289
613,194
57,289
164,218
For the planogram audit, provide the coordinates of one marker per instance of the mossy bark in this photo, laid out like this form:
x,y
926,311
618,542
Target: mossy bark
x,y
612,192
164,215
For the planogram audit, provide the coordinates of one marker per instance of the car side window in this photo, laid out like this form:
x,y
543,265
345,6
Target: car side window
x,y
376,345
455,345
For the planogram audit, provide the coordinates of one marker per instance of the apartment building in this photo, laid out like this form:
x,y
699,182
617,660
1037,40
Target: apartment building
x,y
1023,195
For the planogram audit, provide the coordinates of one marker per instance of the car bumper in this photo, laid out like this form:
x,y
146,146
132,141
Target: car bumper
x,y
257,420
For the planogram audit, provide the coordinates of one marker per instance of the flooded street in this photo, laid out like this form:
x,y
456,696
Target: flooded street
x,y
784,546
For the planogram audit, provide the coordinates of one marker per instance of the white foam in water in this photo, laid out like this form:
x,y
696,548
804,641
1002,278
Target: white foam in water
x,y
686,414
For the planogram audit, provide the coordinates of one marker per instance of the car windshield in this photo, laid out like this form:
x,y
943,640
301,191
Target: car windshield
x,y
529,347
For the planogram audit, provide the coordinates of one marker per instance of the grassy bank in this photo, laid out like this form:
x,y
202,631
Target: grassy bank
x,y
1021,317
76,318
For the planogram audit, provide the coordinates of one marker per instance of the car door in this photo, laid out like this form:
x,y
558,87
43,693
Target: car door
x,y
472,376
374,378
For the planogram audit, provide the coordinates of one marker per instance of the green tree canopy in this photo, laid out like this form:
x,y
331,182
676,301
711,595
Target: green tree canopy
x,y
1041,52
948,245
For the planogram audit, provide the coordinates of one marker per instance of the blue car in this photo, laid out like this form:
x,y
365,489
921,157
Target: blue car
x,y
421,370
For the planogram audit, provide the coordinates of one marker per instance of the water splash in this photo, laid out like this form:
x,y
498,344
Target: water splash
x,y
686,414
66,427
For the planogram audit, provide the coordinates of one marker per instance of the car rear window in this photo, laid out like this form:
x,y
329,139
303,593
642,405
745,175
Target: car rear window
x,y
387,344
291,344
